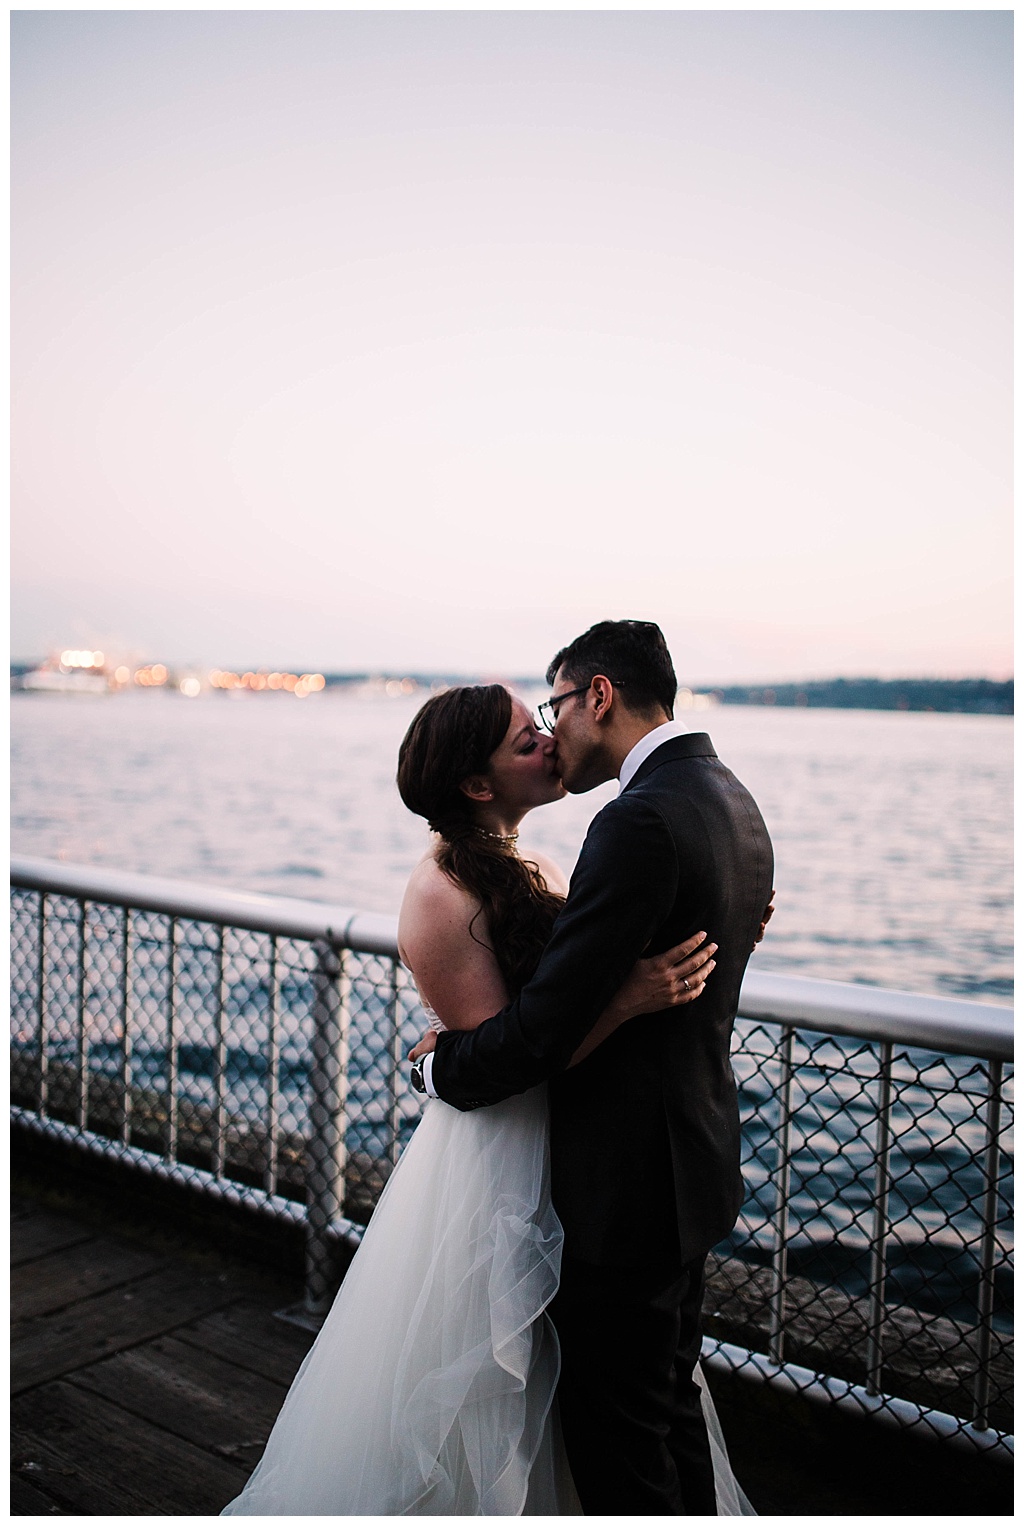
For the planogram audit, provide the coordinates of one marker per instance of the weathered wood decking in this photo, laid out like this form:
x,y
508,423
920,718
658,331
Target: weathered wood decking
x,y
148,1370
142,1385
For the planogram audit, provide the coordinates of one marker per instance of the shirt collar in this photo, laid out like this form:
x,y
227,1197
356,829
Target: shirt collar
x,y
646,745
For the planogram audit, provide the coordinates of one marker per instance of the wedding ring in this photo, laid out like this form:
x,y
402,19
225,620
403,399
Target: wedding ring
x,y
686,985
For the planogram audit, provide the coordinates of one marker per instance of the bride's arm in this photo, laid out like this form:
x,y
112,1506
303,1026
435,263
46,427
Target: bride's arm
x,y
670,980
443,940
667,980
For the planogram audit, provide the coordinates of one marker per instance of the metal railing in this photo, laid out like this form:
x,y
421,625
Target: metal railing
x,y
251,1048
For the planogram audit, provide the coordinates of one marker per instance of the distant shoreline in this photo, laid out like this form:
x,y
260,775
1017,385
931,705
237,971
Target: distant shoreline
x,y
961,696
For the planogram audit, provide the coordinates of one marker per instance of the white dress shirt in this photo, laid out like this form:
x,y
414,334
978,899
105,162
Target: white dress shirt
x,y
630,763
646,745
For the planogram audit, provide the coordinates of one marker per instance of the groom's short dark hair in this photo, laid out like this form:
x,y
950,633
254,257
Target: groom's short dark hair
x,y
633,653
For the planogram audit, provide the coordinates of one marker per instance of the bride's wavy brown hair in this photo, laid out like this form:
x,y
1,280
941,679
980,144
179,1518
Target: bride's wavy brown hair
x,y
452,737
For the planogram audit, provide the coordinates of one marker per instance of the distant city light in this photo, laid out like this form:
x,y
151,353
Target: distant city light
x,y
309,683
686,699
256,683
152,677
73,658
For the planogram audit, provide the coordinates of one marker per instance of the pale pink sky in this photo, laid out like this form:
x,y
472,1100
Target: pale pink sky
x,y
423,340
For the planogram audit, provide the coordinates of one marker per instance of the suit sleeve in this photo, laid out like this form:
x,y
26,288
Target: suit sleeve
x,y
622,890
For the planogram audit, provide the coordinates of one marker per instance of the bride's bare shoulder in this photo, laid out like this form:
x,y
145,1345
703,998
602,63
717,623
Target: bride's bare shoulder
x,y
429,886
441,939
434,905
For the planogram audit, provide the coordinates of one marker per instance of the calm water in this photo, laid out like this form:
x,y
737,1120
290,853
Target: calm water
x,y
892,837
891,831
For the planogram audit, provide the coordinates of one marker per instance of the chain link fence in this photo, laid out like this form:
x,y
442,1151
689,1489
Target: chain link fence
x,y
870,1267
874,1247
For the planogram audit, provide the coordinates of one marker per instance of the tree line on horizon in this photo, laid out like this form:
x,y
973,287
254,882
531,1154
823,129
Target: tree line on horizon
x,y
965,696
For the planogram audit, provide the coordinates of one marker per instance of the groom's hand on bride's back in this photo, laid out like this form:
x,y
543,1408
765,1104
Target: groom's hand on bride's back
x,y
671,979
426,1045
769,912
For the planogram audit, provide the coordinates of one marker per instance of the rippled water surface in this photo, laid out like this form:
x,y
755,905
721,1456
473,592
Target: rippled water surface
x,y
891,831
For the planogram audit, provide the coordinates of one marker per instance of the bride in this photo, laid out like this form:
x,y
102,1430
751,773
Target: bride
x,y
431,1387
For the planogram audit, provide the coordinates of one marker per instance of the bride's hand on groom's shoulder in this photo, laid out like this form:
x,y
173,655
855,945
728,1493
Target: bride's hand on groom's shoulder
x,y
671,979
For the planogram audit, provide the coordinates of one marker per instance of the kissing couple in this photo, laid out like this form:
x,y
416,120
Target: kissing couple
x,y
519,1332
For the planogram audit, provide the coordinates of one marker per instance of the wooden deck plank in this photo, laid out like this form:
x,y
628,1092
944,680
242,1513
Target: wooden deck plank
x,y
250,1337
76,1271
191,1392
83,1488
37,1233
168,1476
25,1499
52,1345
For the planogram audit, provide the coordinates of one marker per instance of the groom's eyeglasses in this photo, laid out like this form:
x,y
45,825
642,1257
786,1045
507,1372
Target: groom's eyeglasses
x,y
548,711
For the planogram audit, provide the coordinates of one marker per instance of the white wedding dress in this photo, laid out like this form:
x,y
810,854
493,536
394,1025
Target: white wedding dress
x,y
430,1389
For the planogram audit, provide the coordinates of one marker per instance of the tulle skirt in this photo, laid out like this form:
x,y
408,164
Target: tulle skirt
x,y
430,1389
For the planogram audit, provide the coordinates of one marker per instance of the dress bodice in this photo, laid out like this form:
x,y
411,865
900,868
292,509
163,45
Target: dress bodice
x,y
432,1017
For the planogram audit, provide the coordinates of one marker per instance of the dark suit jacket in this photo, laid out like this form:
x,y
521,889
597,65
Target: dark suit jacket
x,y
645,1131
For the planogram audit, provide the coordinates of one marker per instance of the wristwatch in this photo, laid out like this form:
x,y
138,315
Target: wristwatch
x,y
416,1076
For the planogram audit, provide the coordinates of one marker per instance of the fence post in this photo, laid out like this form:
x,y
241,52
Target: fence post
x,y
220,1061
126,1037
880,1230
172,1039
44,1048
325,1170
986,1279
82,1107
273,1068
777,1326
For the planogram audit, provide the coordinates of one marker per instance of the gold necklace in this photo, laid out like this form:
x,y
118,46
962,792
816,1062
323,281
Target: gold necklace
x,y
507,840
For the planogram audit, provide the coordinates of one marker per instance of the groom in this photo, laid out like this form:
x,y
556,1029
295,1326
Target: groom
x,y
645,1132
